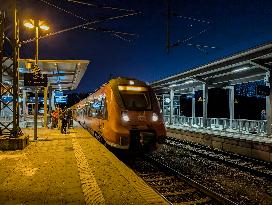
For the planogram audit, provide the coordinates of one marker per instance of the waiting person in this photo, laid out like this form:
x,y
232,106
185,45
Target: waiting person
x,y
64,121
54,118
70,118
59,117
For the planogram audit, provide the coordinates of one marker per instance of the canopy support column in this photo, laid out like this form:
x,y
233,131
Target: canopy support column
x,y
268,81
52,101
231,104
205,104
24,104
193,105
45,92
171,106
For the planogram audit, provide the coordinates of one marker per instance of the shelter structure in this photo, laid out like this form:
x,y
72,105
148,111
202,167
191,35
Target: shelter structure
x,y
247,66
62,75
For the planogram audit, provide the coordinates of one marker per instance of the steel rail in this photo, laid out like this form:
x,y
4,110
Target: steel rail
x,y
230,160
214,195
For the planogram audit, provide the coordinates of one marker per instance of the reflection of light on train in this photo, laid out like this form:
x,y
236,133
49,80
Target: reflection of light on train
x,y
124,113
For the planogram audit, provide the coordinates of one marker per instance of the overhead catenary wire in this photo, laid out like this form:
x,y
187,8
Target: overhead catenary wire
x,y
80,26
179,42
64,10
100,6
192,19
112,32
200,46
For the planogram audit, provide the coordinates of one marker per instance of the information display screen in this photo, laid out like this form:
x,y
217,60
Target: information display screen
x,y
61,99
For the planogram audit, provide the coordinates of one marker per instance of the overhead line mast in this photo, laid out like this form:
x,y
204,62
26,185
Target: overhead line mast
x,y
168,18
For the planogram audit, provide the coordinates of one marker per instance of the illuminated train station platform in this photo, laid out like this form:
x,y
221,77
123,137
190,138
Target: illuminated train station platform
x,y
62,75
243,136
69,168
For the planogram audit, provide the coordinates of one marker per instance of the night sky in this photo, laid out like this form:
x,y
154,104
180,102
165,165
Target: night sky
x,y
232,26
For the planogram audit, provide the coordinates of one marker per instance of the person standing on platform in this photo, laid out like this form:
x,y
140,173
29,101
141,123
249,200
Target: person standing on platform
x,y
54,119
70,118
59,111
64,121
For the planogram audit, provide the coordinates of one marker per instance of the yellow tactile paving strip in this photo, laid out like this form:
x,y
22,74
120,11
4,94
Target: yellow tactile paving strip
x,y
112,175
69,169
91,190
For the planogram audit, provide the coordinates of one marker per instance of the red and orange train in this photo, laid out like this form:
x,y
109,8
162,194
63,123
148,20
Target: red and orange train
x,y
124,113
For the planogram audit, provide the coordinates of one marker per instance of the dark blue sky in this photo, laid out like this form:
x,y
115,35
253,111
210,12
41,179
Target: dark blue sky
x,y
235,25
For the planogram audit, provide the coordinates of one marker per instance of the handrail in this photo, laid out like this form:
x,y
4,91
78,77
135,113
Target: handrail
x,y
239,126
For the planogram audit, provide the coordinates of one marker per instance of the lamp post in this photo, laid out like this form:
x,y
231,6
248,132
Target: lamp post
x,y
37,24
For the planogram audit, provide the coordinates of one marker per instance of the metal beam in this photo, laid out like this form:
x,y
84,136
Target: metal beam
x,y
228,61
260,65
60,74
61,83
236,76
171,106
11,128
268,80
205,104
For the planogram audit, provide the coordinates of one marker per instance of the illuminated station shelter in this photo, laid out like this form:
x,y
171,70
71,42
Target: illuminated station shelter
x,y
243,68
62,75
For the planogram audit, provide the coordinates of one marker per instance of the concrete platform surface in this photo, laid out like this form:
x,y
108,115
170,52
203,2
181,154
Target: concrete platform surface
x,y
69,168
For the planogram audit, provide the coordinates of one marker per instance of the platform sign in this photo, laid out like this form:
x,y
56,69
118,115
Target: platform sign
x,y
32,100
58,93
61,99
30,79
7,99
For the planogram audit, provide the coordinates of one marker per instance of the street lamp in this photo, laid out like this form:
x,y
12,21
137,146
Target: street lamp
x,y
37,24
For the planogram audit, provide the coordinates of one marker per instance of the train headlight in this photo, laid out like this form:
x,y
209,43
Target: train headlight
x,y
125,116
155,117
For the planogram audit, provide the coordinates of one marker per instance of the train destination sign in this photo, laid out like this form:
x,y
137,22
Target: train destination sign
x,y
30,79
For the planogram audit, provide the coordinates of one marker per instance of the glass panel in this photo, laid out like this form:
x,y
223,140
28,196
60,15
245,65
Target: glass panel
x,y
136,100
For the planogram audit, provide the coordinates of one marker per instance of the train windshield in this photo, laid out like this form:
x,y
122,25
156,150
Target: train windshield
x,y
136,100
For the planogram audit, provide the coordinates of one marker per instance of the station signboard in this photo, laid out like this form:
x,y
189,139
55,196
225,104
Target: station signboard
x,y
7,99
61,99
30,79
58,93
32,100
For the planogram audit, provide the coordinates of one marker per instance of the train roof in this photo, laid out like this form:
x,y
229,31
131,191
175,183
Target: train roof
x,y
114,83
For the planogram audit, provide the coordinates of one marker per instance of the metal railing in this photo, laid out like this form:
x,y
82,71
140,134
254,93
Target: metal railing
x,y
240,126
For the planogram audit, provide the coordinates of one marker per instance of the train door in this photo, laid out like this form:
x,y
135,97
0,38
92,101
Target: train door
x,y
103,116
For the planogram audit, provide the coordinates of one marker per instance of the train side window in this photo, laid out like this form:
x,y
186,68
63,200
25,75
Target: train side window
x,y
104,109
95,108
90,110
100,108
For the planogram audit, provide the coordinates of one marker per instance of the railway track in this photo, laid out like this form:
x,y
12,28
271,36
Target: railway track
x,y
175,187
254,166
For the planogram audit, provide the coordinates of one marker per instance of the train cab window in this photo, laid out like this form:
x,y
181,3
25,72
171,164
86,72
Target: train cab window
x,y
136,100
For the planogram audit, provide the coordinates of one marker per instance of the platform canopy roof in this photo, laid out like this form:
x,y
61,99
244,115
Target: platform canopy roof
x,y
249,65
62,74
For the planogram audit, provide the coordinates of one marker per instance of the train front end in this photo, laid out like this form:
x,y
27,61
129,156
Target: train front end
x,y
140,120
